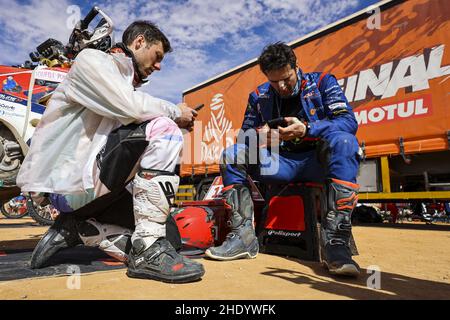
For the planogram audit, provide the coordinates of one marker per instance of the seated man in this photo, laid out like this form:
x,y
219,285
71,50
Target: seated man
x,y
318,144
97,134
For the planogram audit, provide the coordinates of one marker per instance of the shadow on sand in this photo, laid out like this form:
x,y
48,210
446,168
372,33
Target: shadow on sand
x,y
392,286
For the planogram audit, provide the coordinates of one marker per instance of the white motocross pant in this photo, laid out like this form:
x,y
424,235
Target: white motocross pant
x,y
153,187
155,184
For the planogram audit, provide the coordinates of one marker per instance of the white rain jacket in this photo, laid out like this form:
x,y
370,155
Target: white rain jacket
x,y
96,97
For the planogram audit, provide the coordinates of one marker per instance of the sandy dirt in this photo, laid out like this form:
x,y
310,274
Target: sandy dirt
x,y
414,261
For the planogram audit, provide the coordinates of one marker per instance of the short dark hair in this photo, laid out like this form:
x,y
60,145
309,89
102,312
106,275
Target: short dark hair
x,y
149,30
276,56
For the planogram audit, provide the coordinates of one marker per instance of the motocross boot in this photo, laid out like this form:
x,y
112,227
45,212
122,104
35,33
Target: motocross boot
x,y
152,256
241,242
161,262
114,240
62,234
336,254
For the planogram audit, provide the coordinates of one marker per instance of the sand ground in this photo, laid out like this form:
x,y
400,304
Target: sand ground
x,y
413,259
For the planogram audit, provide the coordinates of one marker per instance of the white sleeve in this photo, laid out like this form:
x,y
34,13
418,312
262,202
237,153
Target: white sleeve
x,y
95,82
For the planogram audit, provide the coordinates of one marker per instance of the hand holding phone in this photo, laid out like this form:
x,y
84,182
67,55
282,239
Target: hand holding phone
x,y
278,122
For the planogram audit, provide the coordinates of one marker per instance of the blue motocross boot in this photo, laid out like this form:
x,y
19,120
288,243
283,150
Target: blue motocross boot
x,y
241,242
336,254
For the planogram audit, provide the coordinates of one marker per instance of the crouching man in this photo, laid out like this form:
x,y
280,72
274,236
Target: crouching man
x,y
105,154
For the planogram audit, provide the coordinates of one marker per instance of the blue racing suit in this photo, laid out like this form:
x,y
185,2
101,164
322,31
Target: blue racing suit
x,y
329,149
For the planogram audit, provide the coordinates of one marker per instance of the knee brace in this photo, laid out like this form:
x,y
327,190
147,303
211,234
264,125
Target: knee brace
x,y
153,194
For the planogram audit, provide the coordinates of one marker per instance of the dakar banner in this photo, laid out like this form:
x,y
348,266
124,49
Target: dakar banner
x,y
393,65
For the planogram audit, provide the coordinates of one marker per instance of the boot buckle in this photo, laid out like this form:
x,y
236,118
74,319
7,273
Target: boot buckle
x,y
334,242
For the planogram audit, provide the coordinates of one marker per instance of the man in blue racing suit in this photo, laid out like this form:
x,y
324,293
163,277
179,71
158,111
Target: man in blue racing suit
x,y
315,141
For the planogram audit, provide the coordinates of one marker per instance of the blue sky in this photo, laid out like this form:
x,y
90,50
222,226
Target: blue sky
x,y
209,36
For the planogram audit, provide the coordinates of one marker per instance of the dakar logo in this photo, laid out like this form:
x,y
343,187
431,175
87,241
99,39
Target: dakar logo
x,y
215,139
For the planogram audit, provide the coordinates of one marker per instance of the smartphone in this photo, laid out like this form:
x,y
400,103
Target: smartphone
x,y
199,107
274,123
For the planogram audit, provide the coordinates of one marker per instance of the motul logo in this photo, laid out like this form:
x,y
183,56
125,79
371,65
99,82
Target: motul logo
x,y
408,109
412,73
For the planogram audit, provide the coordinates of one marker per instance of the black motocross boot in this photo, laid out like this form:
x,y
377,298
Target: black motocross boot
x,y
62,234
152,256
241,242
161,262
336,229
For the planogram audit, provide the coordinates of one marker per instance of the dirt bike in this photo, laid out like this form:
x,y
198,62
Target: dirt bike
x,y
54,54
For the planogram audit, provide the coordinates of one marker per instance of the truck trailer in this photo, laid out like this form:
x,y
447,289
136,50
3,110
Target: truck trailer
x,y
392,60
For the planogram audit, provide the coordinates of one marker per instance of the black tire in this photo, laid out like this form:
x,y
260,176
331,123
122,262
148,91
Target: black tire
x,y
38,214
8,215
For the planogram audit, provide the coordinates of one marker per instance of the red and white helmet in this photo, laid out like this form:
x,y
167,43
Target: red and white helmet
x,y
197,229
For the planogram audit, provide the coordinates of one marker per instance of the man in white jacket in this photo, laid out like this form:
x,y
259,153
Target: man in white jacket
x,y
100,139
